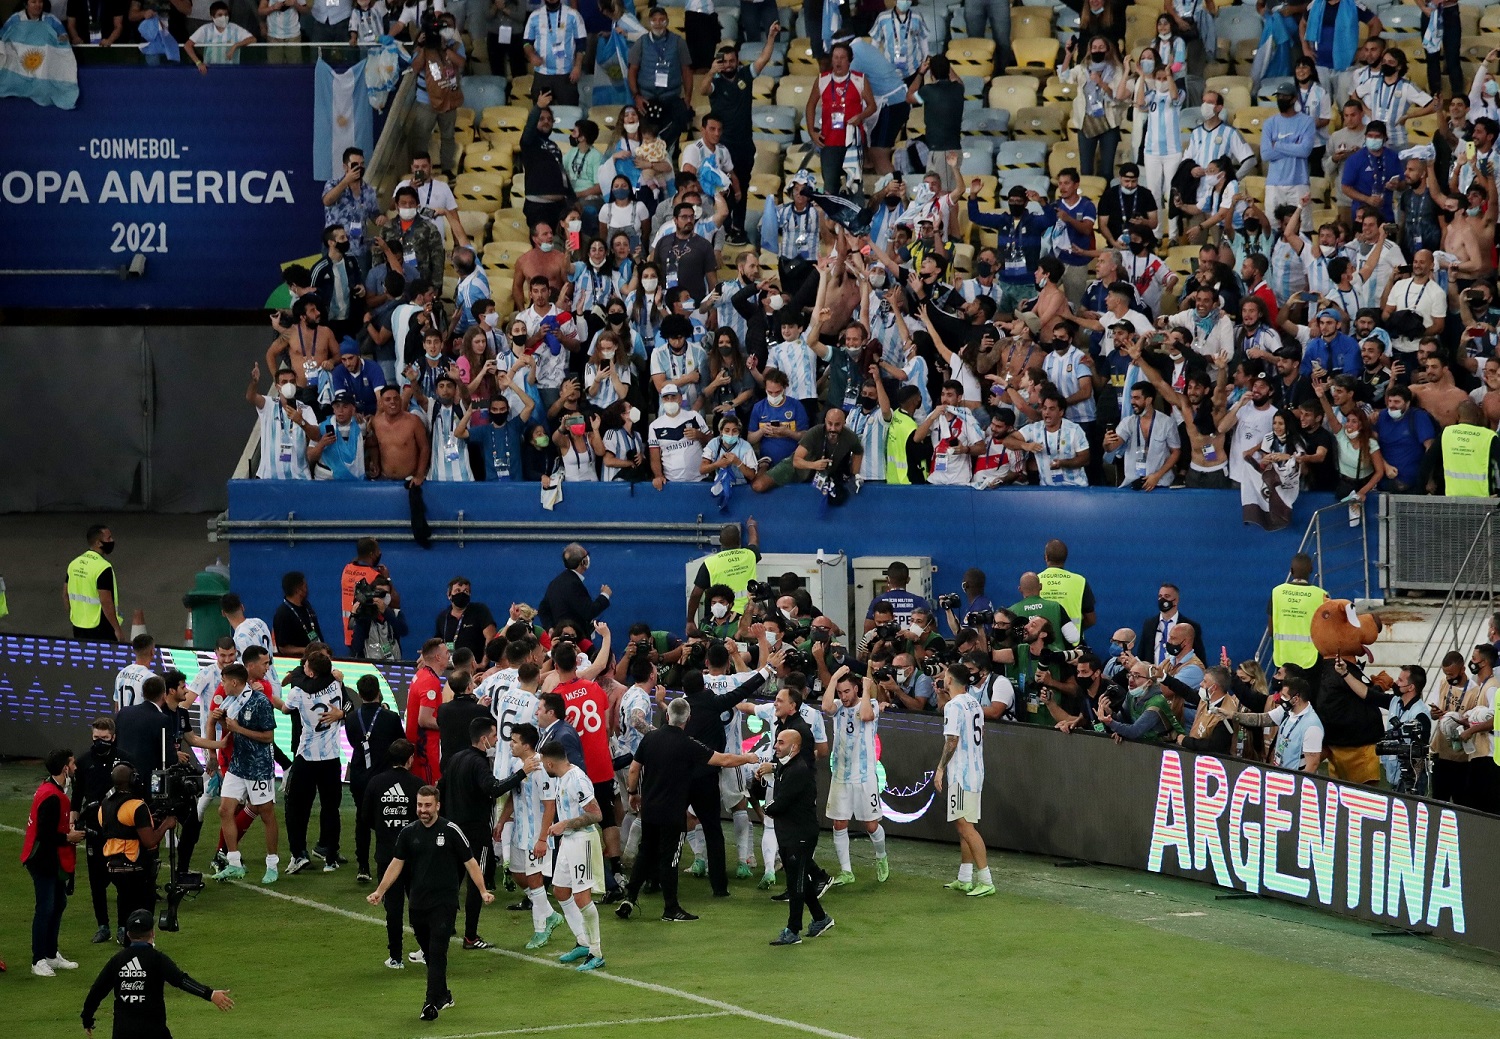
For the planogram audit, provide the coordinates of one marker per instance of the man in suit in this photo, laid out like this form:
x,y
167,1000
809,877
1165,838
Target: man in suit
x,y
551,713
795,809
145,733
1156,630
567,598
371,728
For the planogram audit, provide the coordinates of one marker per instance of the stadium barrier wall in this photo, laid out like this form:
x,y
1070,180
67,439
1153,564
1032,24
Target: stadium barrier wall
x,y
1395,861
1125,542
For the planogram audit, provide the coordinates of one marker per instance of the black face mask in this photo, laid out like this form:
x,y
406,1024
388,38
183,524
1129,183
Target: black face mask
x,y
107,548
104,748
892,202
1474,668
1138,248
1165,604
1017,208
1286,106
1060,345
499,418
984,268
459,599
1173,648
868,403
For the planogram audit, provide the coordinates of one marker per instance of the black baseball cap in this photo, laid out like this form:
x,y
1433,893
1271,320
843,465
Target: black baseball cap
x,y
139,924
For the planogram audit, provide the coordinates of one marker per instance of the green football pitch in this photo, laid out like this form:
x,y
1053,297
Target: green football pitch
x,y
1059,952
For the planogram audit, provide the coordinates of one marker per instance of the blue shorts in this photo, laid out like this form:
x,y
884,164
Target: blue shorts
x,y
888,127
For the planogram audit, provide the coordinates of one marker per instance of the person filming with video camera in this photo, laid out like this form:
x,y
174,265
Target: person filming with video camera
x,y
130,839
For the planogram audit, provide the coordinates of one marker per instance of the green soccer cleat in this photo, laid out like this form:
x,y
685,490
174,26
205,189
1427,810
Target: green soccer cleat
x,y
553,923
272,875
538,940
846,877
575,954
767,880
230,873
592,963
699,868
882,869
961,886
980,890
743,871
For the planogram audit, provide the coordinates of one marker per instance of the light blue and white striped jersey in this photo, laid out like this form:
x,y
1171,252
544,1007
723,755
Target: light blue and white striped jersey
x,y
732,720
693,359
253,632
621,444
637,701
800,231
283,444
1066,442
604,393
800,364
1205,145
904,40
1163,127
449,461
724,309
833,21
964,718
1066,371
881,320
203,685
556,36
1313,100
128,685
916,375
572,791
471,290
742,450
814,719
591,288
1389,102
320,739
870,426
528,807
1288,274
511,705
972,288
853,759
699,6
1316,265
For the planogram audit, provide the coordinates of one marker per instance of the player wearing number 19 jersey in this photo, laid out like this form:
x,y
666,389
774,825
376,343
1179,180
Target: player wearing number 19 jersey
x,y
961,770
573,870
854,790
588,713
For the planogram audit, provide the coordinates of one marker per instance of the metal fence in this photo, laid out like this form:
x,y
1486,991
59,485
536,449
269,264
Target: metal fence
x,y
1425,541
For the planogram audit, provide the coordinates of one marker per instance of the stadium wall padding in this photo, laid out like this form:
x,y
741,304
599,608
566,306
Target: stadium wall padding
x,y
1125,542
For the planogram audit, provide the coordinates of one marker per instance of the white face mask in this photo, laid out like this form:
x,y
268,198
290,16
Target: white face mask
x,y
877,279
492,319
777,302
670,408
914,631
545,247
772,638
288,390
631,126
648,284
718,611
776,399
407,213
607,353
903,675
221,22
596,263
574,226
635,415
1207,110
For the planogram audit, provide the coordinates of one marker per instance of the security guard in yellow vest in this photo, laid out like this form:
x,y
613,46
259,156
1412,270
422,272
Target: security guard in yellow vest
x,y
93,593
731,566
898,437
1069,590
130,839
1291,608
1468,448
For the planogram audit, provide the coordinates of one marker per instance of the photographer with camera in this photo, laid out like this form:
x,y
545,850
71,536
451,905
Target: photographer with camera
x,y
130,838
1403,750
977,603
881,633
378,625
905,685
920,637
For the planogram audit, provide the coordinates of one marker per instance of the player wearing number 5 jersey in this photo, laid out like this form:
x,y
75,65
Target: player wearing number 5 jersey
x,y
578,817
316,767
586,708
961,770
854,790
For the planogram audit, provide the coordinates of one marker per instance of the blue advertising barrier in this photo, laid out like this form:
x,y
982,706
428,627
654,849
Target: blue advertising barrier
x,y
1126,543
209,177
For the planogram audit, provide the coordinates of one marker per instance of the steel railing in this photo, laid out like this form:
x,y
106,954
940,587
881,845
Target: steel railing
x,y
1470,601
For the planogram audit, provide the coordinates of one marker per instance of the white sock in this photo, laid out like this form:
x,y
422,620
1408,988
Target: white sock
x,y
984,876
591,928
966,872
841,849
541,909
234,859
630,835
574,916
878,839
743,839
502,848
768,848
272,861
695,841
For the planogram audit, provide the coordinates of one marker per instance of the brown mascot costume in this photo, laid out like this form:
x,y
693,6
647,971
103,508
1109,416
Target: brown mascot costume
x,y
1348,702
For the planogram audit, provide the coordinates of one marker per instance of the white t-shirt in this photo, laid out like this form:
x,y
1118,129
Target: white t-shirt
x,y
1134,318
696,154
283,444
434,198
1428,300
680,455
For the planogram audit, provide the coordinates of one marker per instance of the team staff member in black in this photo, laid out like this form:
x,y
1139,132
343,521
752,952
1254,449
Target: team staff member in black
x,y
137,975
439,855
453,717
469,789
372,728
295,626
660,780
795,810
130,839
465,624
93,783
388,807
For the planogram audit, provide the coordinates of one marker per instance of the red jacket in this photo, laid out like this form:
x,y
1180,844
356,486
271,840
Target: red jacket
x,y
34,844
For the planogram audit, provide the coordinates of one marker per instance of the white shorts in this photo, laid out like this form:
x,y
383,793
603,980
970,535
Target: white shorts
x,y
854,801
731,788
574,868
963,804
248,791
524,862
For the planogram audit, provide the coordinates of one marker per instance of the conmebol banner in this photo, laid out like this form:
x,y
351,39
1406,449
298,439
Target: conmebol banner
x,y
205,181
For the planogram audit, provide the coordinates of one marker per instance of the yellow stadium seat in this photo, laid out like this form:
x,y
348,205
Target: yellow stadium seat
x,y
1031,23
1092,187
1038,121
504,254
1012,93
463,124
1222,83
1249,121
1235,99
1056,90
1255,187
675,19
510,225
503,119
1181,258
763,89
480,191
1318,188
1062,155
800,53
767,158
1422,128
969,55
520,90
765,185
1034,57
487,158
794,91
988,186
1468,20
476,224
607,118
963,259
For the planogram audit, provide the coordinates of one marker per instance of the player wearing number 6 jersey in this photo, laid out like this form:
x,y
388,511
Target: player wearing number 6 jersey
x,y
961,770
587,710
578,817
854,792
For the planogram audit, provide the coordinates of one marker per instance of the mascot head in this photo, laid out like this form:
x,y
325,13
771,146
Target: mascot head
x,y
1337,631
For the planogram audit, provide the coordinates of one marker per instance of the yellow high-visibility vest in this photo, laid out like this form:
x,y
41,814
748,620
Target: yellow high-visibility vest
x,y
734,567
1292,609
84,607
1466,461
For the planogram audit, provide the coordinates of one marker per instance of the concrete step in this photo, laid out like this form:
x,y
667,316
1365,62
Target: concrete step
x,y
1408,625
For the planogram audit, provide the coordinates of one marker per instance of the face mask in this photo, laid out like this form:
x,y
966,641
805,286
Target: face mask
x,y
499,418
1252,227
1173,648
1041,283
1375,144
1061,345
903,5
1148,66
904,675
1127,192
634,415
772,638
616,318
492,319
288,390
670,408
777,302
984,268
545,247
1389,70
1491,88
407,213
718,611
631,126
1473,668
221,21
1474,210
596,264
459,599
1395,413
730,439
868,403
540,443
103,748
877,279
1208,110
620,194
648,284
607,353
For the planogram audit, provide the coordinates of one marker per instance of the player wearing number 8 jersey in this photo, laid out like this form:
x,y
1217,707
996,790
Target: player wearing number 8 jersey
x,y
961,770
854,792
578,815
587,710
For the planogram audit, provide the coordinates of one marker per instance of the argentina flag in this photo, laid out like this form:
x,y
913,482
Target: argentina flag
x,y
34,63
342,117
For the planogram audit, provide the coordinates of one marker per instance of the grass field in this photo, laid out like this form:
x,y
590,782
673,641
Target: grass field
x,y
1059,952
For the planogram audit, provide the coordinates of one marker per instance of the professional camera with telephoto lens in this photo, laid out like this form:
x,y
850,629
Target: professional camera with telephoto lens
x,y
887,632
697,653
939,655
364,596
822,635
175,791
884,674
951,601
796,660
764,594
979,618
1403,741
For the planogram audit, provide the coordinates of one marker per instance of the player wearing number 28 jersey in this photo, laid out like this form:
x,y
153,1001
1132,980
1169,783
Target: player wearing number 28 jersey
x,y
960,773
